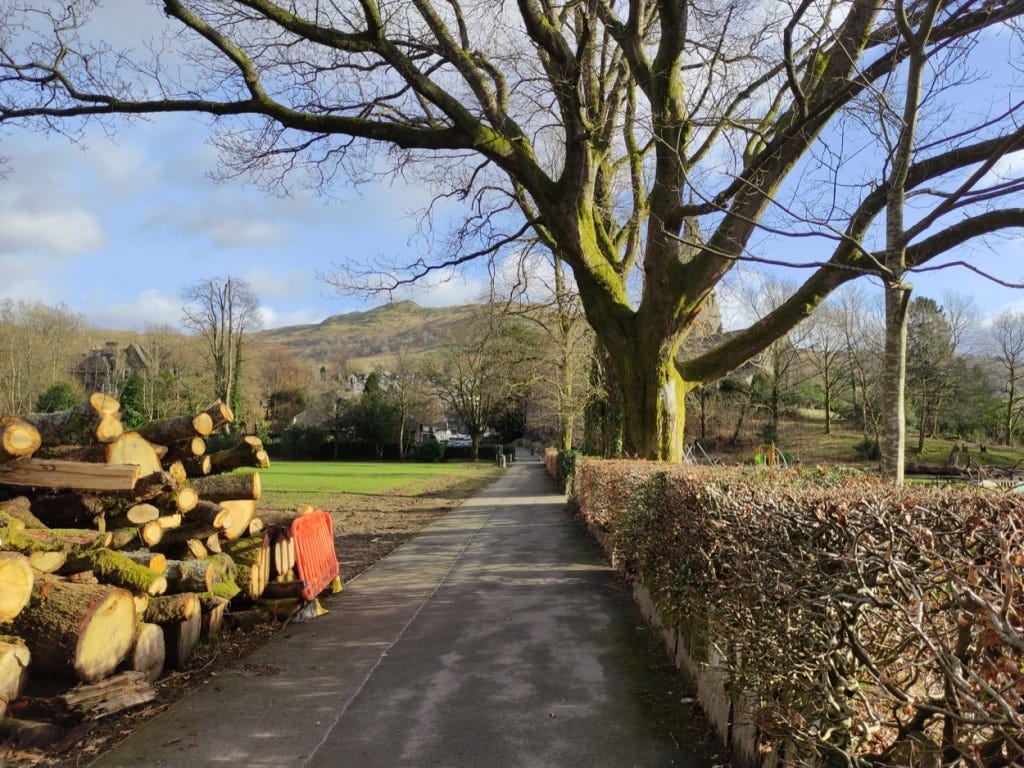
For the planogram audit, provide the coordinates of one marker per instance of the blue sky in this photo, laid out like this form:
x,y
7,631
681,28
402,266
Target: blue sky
x,y
117,227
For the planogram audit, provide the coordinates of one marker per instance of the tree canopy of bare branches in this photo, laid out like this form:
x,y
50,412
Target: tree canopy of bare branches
x,y
651,145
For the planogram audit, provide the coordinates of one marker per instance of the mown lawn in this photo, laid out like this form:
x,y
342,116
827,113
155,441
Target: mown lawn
x,y
327,485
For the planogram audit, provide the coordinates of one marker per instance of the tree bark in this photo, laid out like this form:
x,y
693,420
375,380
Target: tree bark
x,y
128,689
894,377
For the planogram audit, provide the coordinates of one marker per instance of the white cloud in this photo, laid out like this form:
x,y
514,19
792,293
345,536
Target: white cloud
x,y
52,232
150,306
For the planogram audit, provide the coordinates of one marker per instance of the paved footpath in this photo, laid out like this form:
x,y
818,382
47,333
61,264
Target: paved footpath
x,y
498,637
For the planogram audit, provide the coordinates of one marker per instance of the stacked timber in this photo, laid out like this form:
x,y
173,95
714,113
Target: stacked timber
x,y
121,549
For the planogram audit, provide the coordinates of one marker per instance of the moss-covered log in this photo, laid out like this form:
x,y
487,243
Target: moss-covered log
x,y
83,630
213,607
252,559
19,509
225,576
16,581
169,609
50,539
94,420
111,567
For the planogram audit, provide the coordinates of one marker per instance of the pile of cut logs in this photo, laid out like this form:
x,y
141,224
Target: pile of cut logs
x,y
121,550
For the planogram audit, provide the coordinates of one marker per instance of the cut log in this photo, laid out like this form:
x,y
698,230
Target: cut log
x,y
220,414
241,512
177,428
247,453
211,513
19,509
197,549
117,693
51,539
153,560
214,608
197,466
47,562
16,579
148,655
184,449
175,540
81,475
14,661
252,559
181,639
256,525
170,609
133,516
95,420
190,575
153,486
168,522
80,629
227,487
129,448
146,535
284,551
176,469
212,543
18,438
111,567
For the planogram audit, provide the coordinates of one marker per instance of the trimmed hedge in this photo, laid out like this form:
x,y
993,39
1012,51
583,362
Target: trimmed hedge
x,y
877,625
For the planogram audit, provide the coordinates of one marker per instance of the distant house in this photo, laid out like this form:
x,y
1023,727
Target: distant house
x,y
106,369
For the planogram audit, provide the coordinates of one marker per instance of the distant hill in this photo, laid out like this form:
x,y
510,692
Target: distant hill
x,y
371,339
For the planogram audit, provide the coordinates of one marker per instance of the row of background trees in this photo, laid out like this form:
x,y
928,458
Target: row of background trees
x,y
529,367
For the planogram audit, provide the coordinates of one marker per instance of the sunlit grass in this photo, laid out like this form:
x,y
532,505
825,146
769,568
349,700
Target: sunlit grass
x,y
291,484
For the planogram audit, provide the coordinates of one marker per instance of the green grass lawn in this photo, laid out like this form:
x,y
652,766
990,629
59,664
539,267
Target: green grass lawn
x,y
323,484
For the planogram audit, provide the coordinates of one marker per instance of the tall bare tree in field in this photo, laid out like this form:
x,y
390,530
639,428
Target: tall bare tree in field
x,y
652,144
222,311
1007,344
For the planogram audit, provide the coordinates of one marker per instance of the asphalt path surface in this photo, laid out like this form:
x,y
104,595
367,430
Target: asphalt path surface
x,y
498,637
